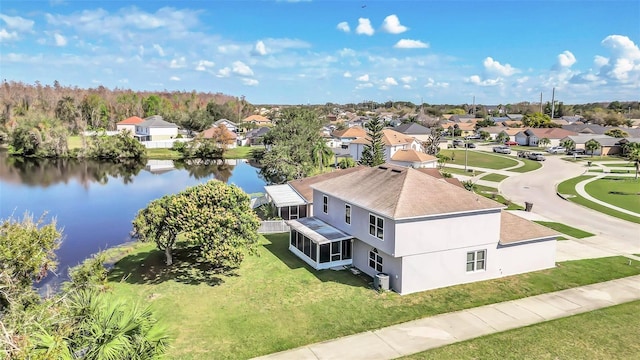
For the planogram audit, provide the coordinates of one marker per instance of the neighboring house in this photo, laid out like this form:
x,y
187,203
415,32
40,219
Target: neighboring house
x,y
415,130
254,136
418,231
517,117
599,129
225,137
413,159
532,136
499,119
572,119
608,144
129,124
294,199
154,128
494,131
230,125
345,136
466,128
392,140
258,120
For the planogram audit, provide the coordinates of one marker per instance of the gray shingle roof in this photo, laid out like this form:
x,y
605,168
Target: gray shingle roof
x,y
156,121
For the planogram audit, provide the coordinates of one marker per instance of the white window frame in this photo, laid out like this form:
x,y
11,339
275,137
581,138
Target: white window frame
x,y
375,226
325,204
376,259
476,261
347,214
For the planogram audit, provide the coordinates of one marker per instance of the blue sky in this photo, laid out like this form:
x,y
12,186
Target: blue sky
x,y
293,52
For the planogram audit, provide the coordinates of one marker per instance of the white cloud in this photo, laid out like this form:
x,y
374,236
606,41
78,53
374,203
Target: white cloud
x,y
364,27
390,81
391,25
410,44
159,49
178,63
5,35
250,82
624,63
494,67
600,61
407,79
434,84
260,48
347,52
174,78
224,72
364,86
17,23
203,65
228,49
406,86
363,78
476,80
344,27
347,74
60,40
566,59
242,69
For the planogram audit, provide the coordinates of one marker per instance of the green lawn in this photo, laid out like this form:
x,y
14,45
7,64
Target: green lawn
x,y
529,165
610,333
240,152
494,177
621,192
565,229
74,142
479,159
492,193
628,164
276,302
567,188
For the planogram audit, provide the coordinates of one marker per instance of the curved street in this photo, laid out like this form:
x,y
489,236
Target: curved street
x,y
613,235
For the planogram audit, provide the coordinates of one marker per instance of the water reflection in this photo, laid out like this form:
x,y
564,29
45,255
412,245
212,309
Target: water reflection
x,y
94,202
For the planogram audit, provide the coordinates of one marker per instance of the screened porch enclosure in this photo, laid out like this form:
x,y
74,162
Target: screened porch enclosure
x,y
319,244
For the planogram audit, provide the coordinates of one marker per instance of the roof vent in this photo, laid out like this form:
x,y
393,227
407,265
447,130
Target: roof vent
x,y
396,171
383,168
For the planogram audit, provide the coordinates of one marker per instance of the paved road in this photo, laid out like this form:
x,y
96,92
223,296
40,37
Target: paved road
x,y
614,236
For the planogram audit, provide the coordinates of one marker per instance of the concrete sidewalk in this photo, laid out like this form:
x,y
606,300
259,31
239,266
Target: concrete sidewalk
x,y
428,333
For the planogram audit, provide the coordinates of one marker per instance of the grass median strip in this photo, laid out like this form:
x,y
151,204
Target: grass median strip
x,y
276,302
609,333
529,165
568,190
565,229
478,159
494,177
617,191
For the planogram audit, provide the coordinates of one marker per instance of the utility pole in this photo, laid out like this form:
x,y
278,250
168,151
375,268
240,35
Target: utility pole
x,y
553,102
474,106
541,103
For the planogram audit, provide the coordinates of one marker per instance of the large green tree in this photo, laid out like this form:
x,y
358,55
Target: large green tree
x,y
538,120
591,146
294,147
632,152
214,216
373,152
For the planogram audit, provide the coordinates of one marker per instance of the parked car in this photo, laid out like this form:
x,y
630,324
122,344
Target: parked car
x,y
502,149
537,156
510,142
474,136
556,150
470,145
458,142
523,154
576,152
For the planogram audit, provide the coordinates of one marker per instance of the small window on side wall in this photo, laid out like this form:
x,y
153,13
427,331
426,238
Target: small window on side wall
x,y
476,260
325,204
347,214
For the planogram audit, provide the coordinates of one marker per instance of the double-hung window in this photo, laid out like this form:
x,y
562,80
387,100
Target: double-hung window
x,y
347,214
375,260
476,260
376,226
325,204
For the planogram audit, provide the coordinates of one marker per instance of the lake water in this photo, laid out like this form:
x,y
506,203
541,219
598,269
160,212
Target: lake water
x,y
95,202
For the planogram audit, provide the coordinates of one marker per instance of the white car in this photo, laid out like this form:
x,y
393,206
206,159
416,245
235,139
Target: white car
x,y
556,150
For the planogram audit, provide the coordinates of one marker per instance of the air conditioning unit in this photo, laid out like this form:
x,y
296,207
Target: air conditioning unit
x,y
381,282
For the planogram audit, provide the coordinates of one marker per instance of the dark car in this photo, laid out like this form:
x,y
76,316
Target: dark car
x,y
470,145
523,154
576,152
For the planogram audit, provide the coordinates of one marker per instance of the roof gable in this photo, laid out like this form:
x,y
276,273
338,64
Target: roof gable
x,y
412,128
404,193
134,120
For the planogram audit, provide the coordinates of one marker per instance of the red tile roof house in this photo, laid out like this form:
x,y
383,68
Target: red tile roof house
x,y
399,148
229,138
129,124
415,230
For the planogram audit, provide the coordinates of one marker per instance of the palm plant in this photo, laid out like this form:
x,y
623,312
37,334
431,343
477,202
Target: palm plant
x,y
632,151
544,142
591,146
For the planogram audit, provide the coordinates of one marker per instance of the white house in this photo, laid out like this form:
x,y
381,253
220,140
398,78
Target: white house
x,y
154,128
393,141
345,136
418,231
532,136
129,124
230,125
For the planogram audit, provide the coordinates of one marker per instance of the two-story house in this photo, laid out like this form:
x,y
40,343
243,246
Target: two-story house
x,y
399,148
154,128
421,232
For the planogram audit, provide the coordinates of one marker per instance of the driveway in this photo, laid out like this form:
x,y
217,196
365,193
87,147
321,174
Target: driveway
x,y
613,235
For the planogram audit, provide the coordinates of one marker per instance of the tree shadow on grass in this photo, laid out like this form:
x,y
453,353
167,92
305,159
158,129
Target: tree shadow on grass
x,y
279,246
149,268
